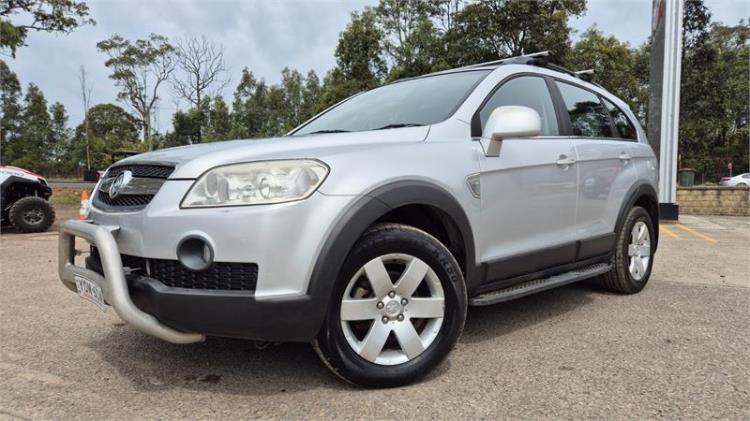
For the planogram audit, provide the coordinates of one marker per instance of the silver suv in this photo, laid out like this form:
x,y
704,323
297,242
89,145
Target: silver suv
x,y
371,228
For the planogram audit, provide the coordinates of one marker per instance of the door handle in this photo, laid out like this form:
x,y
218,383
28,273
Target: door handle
x,y
625,157
564,161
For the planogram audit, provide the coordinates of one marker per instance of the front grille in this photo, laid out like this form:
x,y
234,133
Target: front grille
x,y
132,200
220,276
146,171
129,200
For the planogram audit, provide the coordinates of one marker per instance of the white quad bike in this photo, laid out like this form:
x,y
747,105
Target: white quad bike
x,y
23,200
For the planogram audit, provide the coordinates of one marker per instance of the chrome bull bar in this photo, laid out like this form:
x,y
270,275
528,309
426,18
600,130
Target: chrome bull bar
x,y
113,284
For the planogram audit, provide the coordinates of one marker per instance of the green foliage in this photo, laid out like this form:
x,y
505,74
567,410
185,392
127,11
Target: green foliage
x,y
41,15
10,108
714,103
260,110
492,29
613,63
111,129
32,149
411,39
360,64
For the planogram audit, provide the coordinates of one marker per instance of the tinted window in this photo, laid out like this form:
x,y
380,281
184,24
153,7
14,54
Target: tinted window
x,y
530,92
420,101
587,115
623,125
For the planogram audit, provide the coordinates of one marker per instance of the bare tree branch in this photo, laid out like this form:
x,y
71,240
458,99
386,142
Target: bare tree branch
x,y
202,68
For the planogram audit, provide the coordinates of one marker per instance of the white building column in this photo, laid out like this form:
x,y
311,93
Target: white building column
x,y
664,105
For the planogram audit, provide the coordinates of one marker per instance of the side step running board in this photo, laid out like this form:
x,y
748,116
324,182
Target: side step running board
x,y
530,287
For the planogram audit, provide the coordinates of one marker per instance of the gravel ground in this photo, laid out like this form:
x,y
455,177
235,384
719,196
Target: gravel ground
x,y
679,349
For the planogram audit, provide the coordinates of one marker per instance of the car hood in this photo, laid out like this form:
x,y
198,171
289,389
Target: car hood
x,y
193,160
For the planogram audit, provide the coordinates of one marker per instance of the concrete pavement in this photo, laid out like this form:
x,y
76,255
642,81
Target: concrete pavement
x,y
679,349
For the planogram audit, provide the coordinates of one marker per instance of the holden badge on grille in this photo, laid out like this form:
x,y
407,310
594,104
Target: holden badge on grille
x,y
120,182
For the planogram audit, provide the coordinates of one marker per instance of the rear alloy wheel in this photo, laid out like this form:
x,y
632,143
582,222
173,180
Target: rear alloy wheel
x,y
399,308
632,258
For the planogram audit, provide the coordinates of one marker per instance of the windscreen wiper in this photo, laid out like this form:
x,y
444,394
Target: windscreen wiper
x,y
399,125
330,131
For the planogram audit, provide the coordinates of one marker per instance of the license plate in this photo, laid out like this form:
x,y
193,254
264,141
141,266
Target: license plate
x,y
90,291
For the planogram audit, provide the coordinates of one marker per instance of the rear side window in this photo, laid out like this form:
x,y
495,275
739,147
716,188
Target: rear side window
x,y
623,125
588,117
528,91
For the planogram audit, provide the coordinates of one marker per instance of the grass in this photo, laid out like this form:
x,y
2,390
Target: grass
x,y
66,197
64,180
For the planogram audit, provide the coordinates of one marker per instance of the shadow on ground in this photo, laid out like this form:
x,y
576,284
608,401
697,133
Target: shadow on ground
x,y
239,367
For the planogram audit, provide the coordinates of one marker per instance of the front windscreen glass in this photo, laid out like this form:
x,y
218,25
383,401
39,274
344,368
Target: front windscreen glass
x,y
413,102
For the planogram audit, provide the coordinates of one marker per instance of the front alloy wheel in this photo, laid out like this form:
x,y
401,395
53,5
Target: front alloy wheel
x,y
388,323
398,308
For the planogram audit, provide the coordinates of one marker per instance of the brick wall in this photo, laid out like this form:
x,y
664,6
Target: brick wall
x,y
713,200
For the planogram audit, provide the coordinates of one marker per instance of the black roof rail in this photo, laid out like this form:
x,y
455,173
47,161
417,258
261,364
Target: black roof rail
x,y
541,59
586,75
538,54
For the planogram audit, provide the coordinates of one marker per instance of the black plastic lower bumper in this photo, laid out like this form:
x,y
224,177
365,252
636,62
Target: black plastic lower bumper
x,y
236,314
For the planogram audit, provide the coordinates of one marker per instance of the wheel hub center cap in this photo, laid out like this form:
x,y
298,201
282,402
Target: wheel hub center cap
x,y
392,308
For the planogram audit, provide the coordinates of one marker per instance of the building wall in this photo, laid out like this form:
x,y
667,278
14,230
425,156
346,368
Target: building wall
x,y
714,200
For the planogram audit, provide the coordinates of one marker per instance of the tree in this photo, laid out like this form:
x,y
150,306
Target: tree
x,y
10,107
410,39
310,96
60,136
249,107
110,128
445,11
293,89
219,121
201,74
612,61
492,29
359,60
202,69
39,15
139,69
32,150
714,103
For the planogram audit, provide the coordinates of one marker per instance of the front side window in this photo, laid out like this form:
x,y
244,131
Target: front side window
x,y
414,102
528,91
623,125
588,117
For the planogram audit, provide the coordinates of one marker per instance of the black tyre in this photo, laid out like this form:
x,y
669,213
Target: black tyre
x,y
633,257
31,214
397,309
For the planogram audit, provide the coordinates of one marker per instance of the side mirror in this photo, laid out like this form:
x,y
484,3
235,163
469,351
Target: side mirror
x,y
510,121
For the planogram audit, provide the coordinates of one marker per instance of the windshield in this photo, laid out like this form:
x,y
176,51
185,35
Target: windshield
x,y
414,102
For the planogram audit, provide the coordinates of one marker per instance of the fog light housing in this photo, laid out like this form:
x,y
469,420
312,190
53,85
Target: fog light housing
x,y
195,253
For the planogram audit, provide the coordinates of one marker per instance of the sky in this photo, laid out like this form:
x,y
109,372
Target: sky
x,y
264,36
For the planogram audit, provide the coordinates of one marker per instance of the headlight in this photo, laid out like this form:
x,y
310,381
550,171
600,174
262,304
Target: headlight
x,y
256,183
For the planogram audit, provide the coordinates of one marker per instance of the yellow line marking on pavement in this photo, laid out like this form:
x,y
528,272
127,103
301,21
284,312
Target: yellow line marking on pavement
x,y
669,232
696,233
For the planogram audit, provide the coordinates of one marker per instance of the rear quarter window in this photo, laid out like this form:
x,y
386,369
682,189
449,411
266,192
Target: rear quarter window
x,y
625,128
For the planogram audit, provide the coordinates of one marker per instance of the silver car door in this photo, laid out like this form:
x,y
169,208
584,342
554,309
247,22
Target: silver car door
x,y
528,192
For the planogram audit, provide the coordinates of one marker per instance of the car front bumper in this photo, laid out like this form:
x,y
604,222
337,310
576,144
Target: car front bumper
x,y
180,315
113,284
